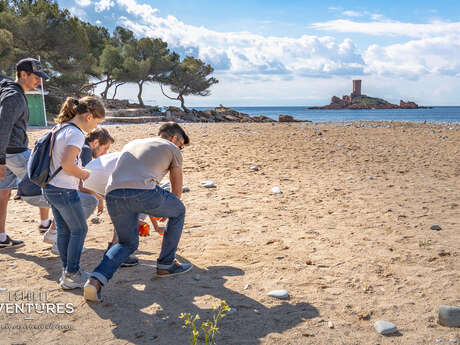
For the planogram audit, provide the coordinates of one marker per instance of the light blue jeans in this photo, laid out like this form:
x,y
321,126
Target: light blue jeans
x,y
124,206
70,224
16,169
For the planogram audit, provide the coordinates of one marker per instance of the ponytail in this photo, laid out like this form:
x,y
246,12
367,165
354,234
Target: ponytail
x,y
68,110
73,107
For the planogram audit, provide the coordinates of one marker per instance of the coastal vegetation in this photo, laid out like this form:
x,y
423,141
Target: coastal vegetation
x,y
79,55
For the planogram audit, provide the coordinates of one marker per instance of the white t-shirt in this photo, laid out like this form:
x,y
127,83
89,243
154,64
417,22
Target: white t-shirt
x,y
69,136
100,170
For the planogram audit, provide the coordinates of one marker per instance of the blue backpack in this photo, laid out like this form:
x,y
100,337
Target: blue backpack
x,y
38,166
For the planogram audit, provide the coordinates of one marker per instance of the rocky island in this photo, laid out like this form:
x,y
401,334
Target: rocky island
x,y
358,101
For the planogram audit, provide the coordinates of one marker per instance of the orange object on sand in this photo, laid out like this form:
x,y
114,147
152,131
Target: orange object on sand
x,y
144,230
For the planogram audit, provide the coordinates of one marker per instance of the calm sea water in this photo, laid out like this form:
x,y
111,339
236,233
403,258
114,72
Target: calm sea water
x,y
434,114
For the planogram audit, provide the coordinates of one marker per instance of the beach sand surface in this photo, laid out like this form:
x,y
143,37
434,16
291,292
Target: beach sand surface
x,y
349,237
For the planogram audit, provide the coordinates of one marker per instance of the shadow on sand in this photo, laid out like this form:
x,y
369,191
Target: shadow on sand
x,y
146,311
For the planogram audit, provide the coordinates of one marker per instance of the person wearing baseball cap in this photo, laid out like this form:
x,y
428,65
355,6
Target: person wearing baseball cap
x,y
31,65
14,153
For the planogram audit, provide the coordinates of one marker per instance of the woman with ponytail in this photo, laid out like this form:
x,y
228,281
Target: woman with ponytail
x,y
62,192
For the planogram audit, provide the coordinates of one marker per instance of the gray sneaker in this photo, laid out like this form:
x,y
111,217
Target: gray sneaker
x,y
74,280
174,269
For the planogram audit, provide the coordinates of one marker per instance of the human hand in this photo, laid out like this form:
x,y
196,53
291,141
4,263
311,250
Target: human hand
x,y
100,207
85,174
2,171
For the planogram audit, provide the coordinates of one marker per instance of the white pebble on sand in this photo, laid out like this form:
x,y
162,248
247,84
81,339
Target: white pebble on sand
x,y
276,190
281,294
385,327
208,184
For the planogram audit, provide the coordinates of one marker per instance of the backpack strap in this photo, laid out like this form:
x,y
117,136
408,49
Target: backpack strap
x,y
54,131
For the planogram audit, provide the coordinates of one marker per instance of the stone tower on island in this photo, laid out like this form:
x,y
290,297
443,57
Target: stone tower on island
x,y
356,88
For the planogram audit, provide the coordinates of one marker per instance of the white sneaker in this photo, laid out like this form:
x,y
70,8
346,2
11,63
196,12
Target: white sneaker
x,y
74,280
55,249
50,236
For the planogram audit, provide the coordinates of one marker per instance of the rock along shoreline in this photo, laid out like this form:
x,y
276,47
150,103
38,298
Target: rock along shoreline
x,y
121,111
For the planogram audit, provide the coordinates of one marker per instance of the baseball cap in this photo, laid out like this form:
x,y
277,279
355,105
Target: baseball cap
x,y
31,65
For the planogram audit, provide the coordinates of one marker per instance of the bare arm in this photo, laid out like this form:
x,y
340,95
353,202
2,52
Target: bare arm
x,y
175,177
68,163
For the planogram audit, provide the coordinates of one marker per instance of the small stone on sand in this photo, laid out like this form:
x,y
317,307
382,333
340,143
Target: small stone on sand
x,y
280,294
276,190
385,327
208,184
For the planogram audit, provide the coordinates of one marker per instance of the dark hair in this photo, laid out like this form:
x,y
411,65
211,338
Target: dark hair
x,y
102,135
171,129
73,107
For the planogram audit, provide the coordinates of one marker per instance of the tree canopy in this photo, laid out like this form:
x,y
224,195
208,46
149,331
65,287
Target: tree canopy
x,y
78,55
190,77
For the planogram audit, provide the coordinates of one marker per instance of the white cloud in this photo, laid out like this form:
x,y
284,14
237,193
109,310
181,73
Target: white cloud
x,y
390,28
417,58
247,56
352,14
78,12
133,7
246,53
103,5
98,22
375,16
83,3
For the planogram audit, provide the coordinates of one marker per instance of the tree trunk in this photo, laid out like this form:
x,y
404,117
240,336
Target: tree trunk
x,y
116,88
139,95
108,84
182,103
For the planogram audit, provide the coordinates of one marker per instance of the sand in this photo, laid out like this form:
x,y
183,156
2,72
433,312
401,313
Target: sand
x,y
349,238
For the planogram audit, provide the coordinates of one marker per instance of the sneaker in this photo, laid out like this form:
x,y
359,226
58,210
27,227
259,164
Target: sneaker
x,y
10,243
130,261
174,269
42,228
74,280
90,292
50,236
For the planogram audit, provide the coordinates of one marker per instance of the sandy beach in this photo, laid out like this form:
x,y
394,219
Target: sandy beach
x,y
349,237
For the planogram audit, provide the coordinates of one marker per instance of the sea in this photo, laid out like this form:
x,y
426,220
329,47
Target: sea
x,y
432,114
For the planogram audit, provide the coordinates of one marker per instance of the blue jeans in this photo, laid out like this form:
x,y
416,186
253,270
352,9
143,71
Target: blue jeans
x,y
124,206
70,224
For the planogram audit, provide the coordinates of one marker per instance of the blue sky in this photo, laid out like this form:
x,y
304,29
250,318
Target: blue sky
x,y
299,52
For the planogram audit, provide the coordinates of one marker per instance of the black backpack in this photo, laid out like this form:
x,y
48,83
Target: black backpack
x,y
38,166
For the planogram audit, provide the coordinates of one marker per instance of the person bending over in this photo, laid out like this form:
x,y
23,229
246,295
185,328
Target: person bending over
x,y
133,188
